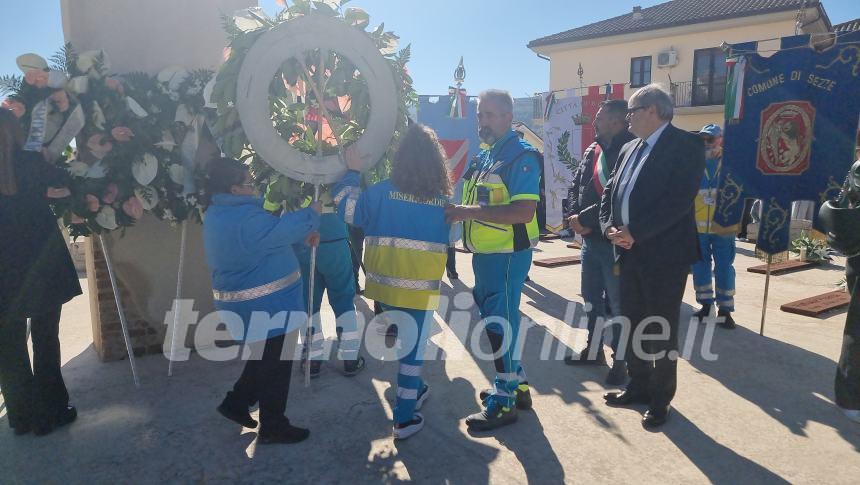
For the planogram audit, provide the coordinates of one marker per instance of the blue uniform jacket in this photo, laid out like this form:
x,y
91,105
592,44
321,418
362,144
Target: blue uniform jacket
x,y
382,210
247,247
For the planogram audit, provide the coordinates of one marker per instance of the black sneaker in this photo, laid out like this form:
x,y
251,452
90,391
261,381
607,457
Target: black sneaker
x,y
494,416
585,359
316,368
240,417
65,416
522,393
703,313
351,367
283,434
727,322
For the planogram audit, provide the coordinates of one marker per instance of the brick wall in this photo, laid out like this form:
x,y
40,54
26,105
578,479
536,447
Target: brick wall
x,y
146,337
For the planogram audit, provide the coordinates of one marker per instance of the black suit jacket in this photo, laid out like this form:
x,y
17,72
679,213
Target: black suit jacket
x,y
662,219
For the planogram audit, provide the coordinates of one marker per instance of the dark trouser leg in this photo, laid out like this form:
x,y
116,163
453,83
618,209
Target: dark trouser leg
x,y
664,293
848,369
451,263
16,377
50,394
633,308
356,241
746,218
273,378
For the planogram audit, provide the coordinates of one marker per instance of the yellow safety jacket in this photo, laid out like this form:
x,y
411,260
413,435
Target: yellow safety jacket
x,y
485,186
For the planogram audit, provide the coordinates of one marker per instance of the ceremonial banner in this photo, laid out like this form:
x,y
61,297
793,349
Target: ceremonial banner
x,y
458,135
791,134
568,131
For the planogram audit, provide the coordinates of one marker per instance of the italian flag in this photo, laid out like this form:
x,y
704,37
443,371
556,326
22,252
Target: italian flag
x,y
458,102
735,87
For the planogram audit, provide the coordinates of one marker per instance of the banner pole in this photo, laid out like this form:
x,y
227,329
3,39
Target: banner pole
x,y
120,310
179,275
766,289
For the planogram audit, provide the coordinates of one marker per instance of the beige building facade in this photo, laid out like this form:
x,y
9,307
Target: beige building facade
x,y
686,58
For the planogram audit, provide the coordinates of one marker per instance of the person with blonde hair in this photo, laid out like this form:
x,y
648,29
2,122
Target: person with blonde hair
x,y
406,243
37,278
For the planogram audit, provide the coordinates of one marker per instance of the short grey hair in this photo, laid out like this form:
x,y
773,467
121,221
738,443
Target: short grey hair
x,y
501,97
657,96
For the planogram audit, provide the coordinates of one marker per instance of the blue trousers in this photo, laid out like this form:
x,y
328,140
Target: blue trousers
x,y
601,290
333,275
499,280
411,347
718,257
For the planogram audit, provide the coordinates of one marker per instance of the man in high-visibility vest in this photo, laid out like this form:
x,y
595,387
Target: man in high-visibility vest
x,y
500,196
717,243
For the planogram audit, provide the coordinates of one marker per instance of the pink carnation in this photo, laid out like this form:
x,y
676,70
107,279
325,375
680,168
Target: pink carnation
x,y
121,133
98,146
61,100
133,207
16,107
36,77
114,84
110,193
92,203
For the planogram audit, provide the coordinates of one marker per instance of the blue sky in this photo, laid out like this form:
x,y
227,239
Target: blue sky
x,y
490,35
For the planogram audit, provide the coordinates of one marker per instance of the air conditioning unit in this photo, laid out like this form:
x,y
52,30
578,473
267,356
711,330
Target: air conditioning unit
x,y
667,59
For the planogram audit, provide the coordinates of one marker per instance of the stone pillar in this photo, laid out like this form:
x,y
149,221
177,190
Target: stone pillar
x,y
147,36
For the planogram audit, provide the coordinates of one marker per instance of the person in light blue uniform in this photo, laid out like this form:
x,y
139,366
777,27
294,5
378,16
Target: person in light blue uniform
x,y
255,272
500,198
406,242
333,275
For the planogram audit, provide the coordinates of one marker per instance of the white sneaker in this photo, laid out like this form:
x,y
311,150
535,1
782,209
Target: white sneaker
x,y
852,414
411,427
425,391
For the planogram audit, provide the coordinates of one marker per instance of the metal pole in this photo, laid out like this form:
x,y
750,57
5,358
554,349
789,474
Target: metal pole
x,y
179,275
766,288
309,330
120,310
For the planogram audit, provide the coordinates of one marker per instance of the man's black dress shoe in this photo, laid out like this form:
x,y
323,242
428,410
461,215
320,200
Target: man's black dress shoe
x,y
625,398
654,418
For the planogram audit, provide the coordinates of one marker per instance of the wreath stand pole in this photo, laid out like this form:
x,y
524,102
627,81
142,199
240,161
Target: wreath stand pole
x,y
120,310
766,288
311,274
179,275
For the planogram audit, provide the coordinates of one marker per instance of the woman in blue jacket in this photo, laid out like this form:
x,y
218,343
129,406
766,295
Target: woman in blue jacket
x,y
406,246
255,271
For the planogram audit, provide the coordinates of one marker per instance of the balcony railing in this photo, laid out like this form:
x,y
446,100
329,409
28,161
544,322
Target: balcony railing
x,y
686,94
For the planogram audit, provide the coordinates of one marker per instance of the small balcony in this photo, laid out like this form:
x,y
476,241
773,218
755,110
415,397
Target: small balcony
x,y
688,94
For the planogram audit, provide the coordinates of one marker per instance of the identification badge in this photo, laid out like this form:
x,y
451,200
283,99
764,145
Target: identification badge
x,y
710,201
483,196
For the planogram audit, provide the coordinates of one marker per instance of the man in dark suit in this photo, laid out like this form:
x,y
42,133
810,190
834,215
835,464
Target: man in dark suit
x,y
647,213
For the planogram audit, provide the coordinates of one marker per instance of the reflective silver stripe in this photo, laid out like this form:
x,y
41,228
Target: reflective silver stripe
x,y
705,288
346,336
257,292
345,192
404,283
403,243
508,376
726,292
410,370
349,211
407,393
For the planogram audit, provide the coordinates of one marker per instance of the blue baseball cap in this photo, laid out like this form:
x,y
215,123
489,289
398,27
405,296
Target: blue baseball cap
x,y
712,130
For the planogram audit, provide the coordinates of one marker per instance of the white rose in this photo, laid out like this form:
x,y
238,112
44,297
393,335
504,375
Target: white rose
x,y
107,218
177,173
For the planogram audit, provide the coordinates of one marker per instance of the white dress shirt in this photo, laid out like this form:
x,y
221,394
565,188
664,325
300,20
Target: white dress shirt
x,y
628,189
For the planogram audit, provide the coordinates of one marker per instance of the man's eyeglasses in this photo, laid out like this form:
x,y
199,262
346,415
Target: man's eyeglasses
x,y
634,109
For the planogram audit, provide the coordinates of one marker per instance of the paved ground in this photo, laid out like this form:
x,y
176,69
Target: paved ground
x,y
761,413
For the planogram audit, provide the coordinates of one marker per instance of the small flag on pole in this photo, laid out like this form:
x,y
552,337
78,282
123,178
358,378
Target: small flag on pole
x,y
735,87
549,102
458,102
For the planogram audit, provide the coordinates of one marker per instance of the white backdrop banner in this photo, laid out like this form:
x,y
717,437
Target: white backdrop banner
x,y
562,151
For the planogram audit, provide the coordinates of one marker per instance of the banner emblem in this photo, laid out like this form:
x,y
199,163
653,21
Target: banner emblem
x,y
785,139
